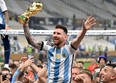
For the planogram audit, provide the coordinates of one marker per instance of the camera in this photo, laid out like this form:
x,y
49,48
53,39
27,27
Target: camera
x,y
4,76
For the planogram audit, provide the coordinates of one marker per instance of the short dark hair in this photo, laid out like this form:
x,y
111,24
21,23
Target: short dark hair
x,y
111,65
80,62
62,27
13,66
39,65
88,73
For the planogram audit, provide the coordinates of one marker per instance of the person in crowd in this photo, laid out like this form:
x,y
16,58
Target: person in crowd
x,y
80,64
26,74
96,74
21,71
4,24
108,74
13,67
96,70
60,56
16,62
84,77
6,76
41,71
75,71
31,74
102,60
93,65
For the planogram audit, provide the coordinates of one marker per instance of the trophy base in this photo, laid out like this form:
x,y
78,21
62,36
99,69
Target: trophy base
x,y
22,19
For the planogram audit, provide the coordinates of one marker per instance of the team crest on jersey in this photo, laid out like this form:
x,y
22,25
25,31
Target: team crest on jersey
x,y
64,55
58,56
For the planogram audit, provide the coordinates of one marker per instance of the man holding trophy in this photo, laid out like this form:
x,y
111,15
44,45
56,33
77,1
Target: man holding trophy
x,y
60,56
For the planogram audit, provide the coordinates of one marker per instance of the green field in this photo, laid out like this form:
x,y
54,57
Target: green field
x,y
86,64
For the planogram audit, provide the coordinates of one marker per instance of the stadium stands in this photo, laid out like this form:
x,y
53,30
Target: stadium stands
x,y
110,7
66,8
103,10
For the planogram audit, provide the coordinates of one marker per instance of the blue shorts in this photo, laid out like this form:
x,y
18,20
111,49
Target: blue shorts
x,y
2,26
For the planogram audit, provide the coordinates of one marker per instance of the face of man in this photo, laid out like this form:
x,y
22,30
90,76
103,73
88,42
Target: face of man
x,y
13,70
93,60
83,78
75,72
7,73
106,74
80,65
16,63
59,37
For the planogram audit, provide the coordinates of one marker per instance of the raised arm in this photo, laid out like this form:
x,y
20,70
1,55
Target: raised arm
x,y
86,26
35,43
40,72
6,18
6,15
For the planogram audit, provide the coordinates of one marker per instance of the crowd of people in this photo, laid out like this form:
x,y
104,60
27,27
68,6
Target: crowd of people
x,y
57,64
26,70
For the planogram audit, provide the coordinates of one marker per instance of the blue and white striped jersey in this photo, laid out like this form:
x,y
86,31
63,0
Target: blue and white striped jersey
x,y
59,63
2,9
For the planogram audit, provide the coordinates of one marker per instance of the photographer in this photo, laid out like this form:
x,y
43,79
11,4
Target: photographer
x,y
5,75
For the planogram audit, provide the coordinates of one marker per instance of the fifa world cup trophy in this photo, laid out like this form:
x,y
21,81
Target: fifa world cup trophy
x,y
31,11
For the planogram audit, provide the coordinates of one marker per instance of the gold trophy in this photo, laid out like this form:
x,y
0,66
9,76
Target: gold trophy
x,y
31,11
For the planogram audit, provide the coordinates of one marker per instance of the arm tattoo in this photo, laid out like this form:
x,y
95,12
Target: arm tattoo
x,y
30,38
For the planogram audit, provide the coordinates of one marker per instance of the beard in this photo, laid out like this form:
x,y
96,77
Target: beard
x,y
57,42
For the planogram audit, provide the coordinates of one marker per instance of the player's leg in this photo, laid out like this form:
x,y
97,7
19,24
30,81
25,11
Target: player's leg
x,y
6,44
